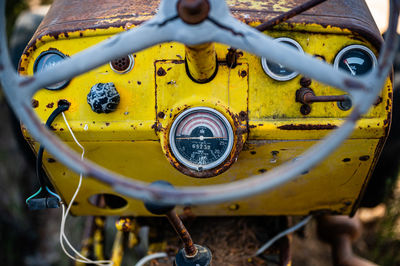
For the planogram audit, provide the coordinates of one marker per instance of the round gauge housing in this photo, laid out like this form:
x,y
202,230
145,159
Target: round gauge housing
x,y
201,138
278,71
356,60
123,65
47,60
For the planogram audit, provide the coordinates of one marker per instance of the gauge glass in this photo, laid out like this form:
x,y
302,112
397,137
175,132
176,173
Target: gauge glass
x,y
201,138
278,71
356,60
47,60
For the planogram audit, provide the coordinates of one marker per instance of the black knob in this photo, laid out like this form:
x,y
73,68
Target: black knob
x,y
103,98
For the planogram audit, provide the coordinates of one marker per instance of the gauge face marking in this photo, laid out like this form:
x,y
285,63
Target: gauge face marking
x,y
47,60
356,60
201,138
278,71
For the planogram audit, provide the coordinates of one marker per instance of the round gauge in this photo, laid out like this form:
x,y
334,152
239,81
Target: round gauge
x,y
47,60
201,138
356,60
278,71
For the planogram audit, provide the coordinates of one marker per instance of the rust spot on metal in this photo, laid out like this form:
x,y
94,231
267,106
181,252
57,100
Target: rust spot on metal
x,y
35,103
27,81
50,105
378,101
243,116
307,127
345,160
51,160
243,73
161,115
178,62
139,83
157,127
161,72
364,158
231,58
289,14
107,124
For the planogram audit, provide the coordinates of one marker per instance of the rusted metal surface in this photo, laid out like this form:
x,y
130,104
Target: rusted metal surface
x,y
184,235
193,11
289,14
307,127
70,16
307,96
201,62
340,232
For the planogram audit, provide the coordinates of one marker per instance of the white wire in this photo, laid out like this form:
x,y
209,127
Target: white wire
x,y
282,234
65,213
150,257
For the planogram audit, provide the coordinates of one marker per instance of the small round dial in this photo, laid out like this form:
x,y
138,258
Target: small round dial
x,y
356,60
278,71
47,60
201,138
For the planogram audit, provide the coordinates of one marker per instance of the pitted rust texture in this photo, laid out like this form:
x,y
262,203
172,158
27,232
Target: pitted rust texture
x,y
289,14
239,128
73,15
307,127
183,233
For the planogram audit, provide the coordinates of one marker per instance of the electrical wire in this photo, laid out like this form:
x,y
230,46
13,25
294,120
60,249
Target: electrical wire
x,y
282,234
39,171
150,257
65,213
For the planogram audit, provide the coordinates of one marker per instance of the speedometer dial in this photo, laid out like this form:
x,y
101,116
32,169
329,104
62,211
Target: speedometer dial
x,y
201,138
356,60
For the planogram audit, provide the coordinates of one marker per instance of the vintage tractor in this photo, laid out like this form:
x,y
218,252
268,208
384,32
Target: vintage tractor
x,y
208,106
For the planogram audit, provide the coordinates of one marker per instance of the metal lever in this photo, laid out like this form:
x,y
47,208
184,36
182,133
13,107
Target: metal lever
x,y
191,254
307,96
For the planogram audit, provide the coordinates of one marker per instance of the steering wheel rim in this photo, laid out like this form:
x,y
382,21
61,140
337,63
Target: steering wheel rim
x,y
220,27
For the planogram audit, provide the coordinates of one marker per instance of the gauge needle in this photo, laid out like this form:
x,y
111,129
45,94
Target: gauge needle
x,y
351,70
200,138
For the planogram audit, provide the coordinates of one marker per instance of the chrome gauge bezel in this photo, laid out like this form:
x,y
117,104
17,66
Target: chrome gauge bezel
x,y
130,67
271,74
359,47
60,85
184,161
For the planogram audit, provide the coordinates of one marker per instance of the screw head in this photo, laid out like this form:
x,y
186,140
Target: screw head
x,y
305,109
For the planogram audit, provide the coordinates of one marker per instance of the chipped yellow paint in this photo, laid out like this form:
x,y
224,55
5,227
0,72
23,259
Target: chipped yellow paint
x,y
280,7
126,141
